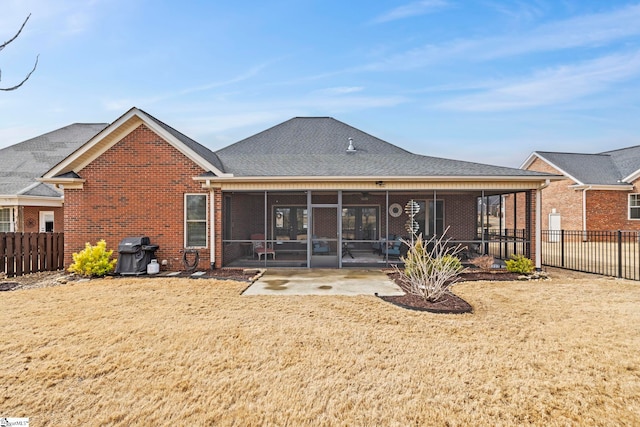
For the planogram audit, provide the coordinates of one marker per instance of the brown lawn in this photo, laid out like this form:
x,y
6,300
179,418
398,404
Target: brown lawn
x,y
195,352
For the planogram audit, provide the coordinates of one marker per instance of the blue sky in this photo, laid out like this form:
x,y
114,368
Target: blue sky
x,y
485,80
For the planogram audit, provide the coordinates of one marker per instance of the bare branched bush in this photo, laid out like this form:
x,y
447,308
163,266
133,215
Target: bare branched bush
x,y
430,267
483,262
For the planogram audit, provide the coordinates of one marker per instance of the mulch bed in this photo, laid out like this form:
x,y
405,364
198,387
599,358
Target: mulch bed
x,y
239,274
450,302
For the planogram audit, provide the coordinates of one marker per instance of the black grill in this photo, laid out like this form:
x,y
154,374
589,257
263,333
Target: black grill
x,y
135,254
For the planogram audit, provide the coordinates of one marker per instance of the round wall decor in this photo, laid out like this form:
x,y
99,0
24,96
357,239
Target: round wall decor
x,y
395,210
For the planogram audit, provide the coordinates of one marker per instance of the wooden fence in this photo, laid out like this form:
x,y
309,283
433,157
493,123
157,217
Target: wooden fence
x,y
25,253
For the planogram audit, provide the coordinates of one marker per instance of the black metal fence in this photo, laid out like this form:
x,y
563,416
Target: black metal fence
x,y
610,253
509,242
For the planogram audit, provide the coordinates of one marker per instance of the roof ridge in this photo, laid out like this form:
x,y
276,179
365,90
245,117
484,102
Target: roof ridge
x,y
620,149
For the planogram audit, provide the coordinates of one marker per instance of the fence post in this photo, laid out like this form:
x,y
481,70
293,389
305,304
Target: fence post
x,y
562,247
619,253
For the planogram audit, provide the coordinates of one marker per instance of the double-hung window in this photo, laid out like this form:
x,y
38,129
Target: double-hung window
x,y
6,220
634,206
195,206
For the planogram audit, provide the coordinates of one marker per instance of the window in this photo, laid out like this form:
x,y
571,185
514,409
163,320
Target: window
x,y
195,220
634,206
430,220
290,222
6,223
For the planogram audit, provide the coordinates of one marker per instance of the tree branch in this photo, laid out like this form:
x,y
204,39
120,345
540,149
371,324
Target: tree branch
x,y
7,89
3,45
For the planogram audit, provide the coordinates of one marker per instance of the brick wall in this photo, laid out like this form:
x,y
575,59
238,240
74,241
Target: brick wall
x,y
608,210
135,188
31,218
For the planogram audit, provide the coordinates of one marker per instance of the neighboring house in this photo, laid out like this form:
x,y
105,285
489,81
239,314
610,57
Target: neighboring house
x,y
598,192
27,205
310,192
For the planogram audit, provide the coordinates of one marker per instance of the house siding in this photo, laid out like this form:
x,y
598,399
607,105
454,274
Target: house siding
x,y
608,210
135,188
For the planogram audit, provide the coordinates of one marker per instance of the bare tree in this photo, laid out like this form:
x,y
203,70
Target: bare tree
x,y
3,45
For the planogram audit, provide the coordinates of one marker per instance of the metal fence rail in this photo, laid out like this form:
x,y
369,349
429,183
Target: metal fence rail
x,y
610,253
24,253
508,242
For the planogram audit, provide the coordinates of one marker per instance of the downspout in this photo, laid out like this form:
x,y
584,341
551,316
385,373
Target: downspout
x,y
584,212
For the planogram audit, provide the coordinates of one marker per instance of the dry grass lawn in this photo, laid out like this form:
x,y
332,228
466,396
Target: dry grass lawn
x,y
195,352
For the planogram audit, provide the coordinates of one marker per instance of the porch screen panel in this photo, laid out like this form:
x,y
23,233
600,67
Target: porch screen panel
x,y
196,220
360,223
290,222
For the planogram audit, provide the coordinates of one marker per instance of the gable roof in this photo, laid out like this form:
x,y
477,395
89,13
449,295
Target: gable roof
x,y
62,172
22,163
627,161
610,168
317,147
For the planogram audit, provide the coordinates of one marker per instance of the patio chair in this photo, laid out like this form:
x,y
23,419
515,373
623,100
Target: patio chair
x,y
379,245
259,247
393,248
320,246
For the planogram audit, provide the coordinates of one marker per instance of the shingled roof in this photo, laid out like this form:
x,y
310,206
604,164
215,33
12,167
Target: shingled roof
x,y
318,146
606,168
22,163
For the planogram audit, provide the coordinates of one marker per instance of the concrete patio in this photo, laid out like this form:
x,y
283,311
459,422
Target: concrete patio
x,y
323,282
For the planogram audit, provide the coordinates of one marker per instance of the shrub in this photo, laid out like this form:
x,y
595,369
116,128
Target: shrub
x,y
431,267
93,260
484,262
520,264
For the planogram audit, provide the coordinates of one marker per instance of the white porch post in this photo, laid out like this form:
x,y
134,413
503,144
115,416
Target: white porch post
x,y
538,260
212,227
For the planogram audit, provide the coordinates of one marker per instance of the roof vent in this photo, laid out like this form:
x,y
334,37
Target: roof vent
x,y
351,148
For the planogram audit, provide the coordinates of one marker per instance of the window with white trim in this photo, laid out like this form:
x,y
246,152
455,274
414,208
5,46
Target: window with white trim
x,y
6,220
195,227
634,206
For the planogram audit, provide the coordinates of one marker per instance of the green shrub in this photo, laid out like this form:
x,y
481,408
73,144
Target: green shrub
x,y
520,264
93,260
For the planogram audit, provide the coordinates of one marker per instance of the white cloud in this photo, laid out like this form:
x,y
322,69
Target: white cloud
x,y
582,31
411,9
553,86
341,90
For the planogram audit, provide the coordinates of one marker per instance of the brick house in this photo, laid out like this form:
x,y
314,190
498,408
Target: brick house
x,y
309,192
27,205
597,192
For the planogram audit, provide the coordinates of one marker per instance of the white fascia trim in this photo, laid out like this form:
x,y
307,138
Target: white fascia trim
x,y
529,160
621,187
632,177
438,178
75,183
18,200
133,112
565,173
